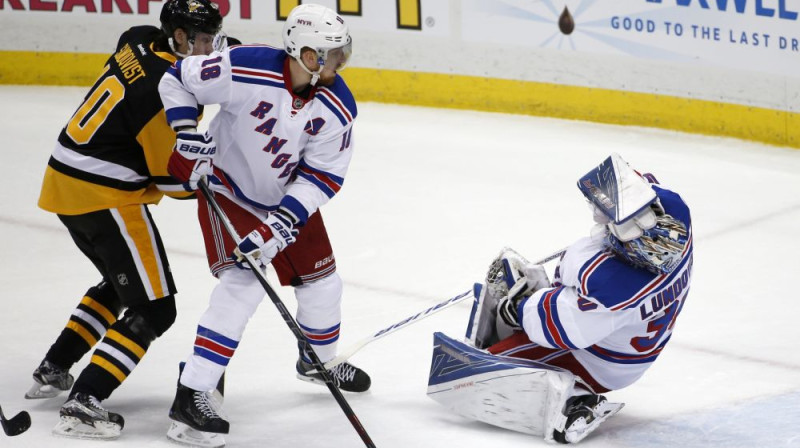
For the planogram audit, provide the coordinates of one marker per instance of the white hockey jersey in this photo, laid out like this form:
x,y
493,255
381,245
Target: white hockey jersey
x,y
615,318
273,147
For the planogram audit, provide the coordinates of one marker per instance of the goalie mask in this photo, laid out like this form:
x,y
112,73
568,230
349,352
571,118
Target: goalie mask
x,y
192,16
638,228
322,30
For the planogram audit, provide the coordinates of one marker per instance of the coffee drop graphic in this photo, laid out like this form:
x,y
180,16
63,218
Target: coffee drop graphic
x,y
566,23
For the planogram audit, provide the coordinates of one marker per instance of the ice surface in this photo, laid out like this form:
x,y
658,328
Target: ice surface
x,y
431,196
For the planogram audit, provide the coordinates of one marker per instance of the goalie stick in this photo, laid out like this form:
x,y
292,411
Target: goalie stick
x,y
287,316
350,351
17,424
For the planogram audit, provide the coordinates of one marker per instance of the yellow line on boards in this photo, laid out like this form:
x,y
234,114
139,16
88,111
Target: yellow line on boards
x,y
485,94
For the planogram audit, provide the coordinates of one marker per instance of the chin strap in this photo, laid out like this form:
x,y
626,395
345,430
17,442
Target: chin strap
x,y
314,75
178,53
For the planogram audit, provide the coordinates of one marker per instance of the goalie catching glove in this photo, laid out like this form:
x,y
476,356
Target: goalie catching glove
x,y
518,280
191,159
265,241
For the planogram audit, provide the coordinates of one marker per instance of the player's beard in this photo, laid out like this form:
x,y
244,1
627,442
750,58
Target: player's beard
x,y
326,78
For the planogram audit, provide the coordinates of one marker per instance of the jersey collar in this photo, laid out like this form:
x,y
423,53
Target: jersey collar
x,y
298,102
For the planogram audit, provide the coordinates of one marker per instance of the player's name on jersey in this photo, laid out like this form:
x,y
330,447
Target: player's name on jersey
x,y
129,65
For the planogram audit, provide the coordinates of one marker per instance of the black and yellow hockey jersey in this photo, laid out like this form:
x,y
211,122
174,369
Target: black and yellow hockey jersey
x,y
114,150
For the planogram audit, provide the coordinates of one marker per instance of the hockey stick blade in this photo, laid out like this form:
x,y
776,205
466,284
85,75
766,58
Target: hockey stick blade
x,y
350,351
17,424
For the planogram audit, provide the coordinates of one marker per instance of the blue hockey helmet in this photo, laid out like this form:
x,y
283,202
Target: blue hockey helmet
x,y
638,228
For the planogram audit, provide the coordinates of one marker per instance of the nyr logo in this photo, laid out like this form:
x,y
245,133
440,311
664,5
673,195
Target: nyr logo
x,y
200,150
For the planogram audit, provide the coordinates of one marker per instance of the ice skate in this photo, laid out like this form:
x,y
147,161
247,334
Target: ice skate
x,y
584,413
49,380
196,419
345,375
82,417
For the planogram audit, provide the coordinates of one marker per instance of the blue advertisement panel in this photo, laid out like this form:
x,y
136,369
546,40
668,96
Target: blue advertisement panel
x,y
750,35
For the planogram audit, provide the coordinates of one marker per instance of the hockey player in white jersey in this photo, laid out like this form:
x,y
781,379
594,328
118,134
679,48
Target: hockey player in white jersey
x,y
278,149
606,315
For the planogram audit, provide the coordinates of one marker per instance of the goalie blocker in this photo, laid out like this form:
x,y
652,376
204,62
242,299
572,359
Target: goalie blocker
x,y
512,393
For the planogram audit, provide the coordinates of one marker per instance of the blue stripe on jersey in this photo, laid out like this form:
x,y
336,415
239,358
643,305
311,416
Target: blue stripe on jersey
x,y
260,57
345,96
552,327
614,281
327,182
175,70
294,206
181,113
333,109
259,81
321,185
627,358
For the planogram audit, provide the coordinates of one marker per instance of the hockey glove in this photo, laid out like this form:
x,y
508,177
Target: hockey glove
x,y
270,237
192,158
533,278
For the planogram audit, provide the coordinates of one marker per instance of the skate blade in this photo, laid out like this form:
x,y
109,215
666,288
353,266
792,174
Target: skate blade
x,y
74,428
182,434
38,391
606,411
310,379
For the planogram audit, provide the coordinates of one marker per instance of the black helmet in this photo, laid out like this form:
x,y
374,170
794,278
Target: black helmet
x,y
192,16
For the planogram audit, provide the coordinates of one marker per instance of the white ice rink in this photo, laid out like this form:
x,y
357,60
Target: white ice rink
x,y
431,196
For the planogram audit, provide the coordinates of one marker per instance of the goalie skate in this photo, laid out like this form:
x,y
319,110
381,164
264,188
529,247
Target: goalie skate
x,y
183,434
582,415
82,417
49,381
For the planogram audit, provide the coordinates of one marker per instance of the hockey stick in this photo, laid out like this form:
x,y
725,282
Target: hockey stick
x,y
17,424
350,351
287,317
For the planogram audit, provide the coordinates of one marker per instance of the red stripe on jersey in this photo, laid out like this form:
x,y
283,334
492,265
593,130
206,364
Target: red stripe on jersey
x,y
338,103
550,318
650,287
239,71
588,272
322,178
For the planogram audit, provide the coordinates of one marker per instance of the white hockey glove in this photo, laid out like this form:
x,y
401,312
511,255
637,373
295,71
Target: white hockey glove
x,y
265,241
192,158
534,278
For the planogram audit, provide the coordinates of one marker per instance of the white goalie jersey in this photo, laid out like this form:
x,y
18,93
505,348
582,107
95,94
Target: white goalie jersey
x,y
275,148
614,318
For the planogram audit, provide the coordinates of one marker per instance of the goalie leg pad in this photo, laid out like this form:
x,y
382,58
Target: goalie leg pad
x,y
481,329
511,393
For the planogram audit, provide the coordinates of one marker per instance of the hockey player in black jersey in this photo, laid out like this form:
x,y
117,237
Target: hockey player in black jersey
x,y
109,164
